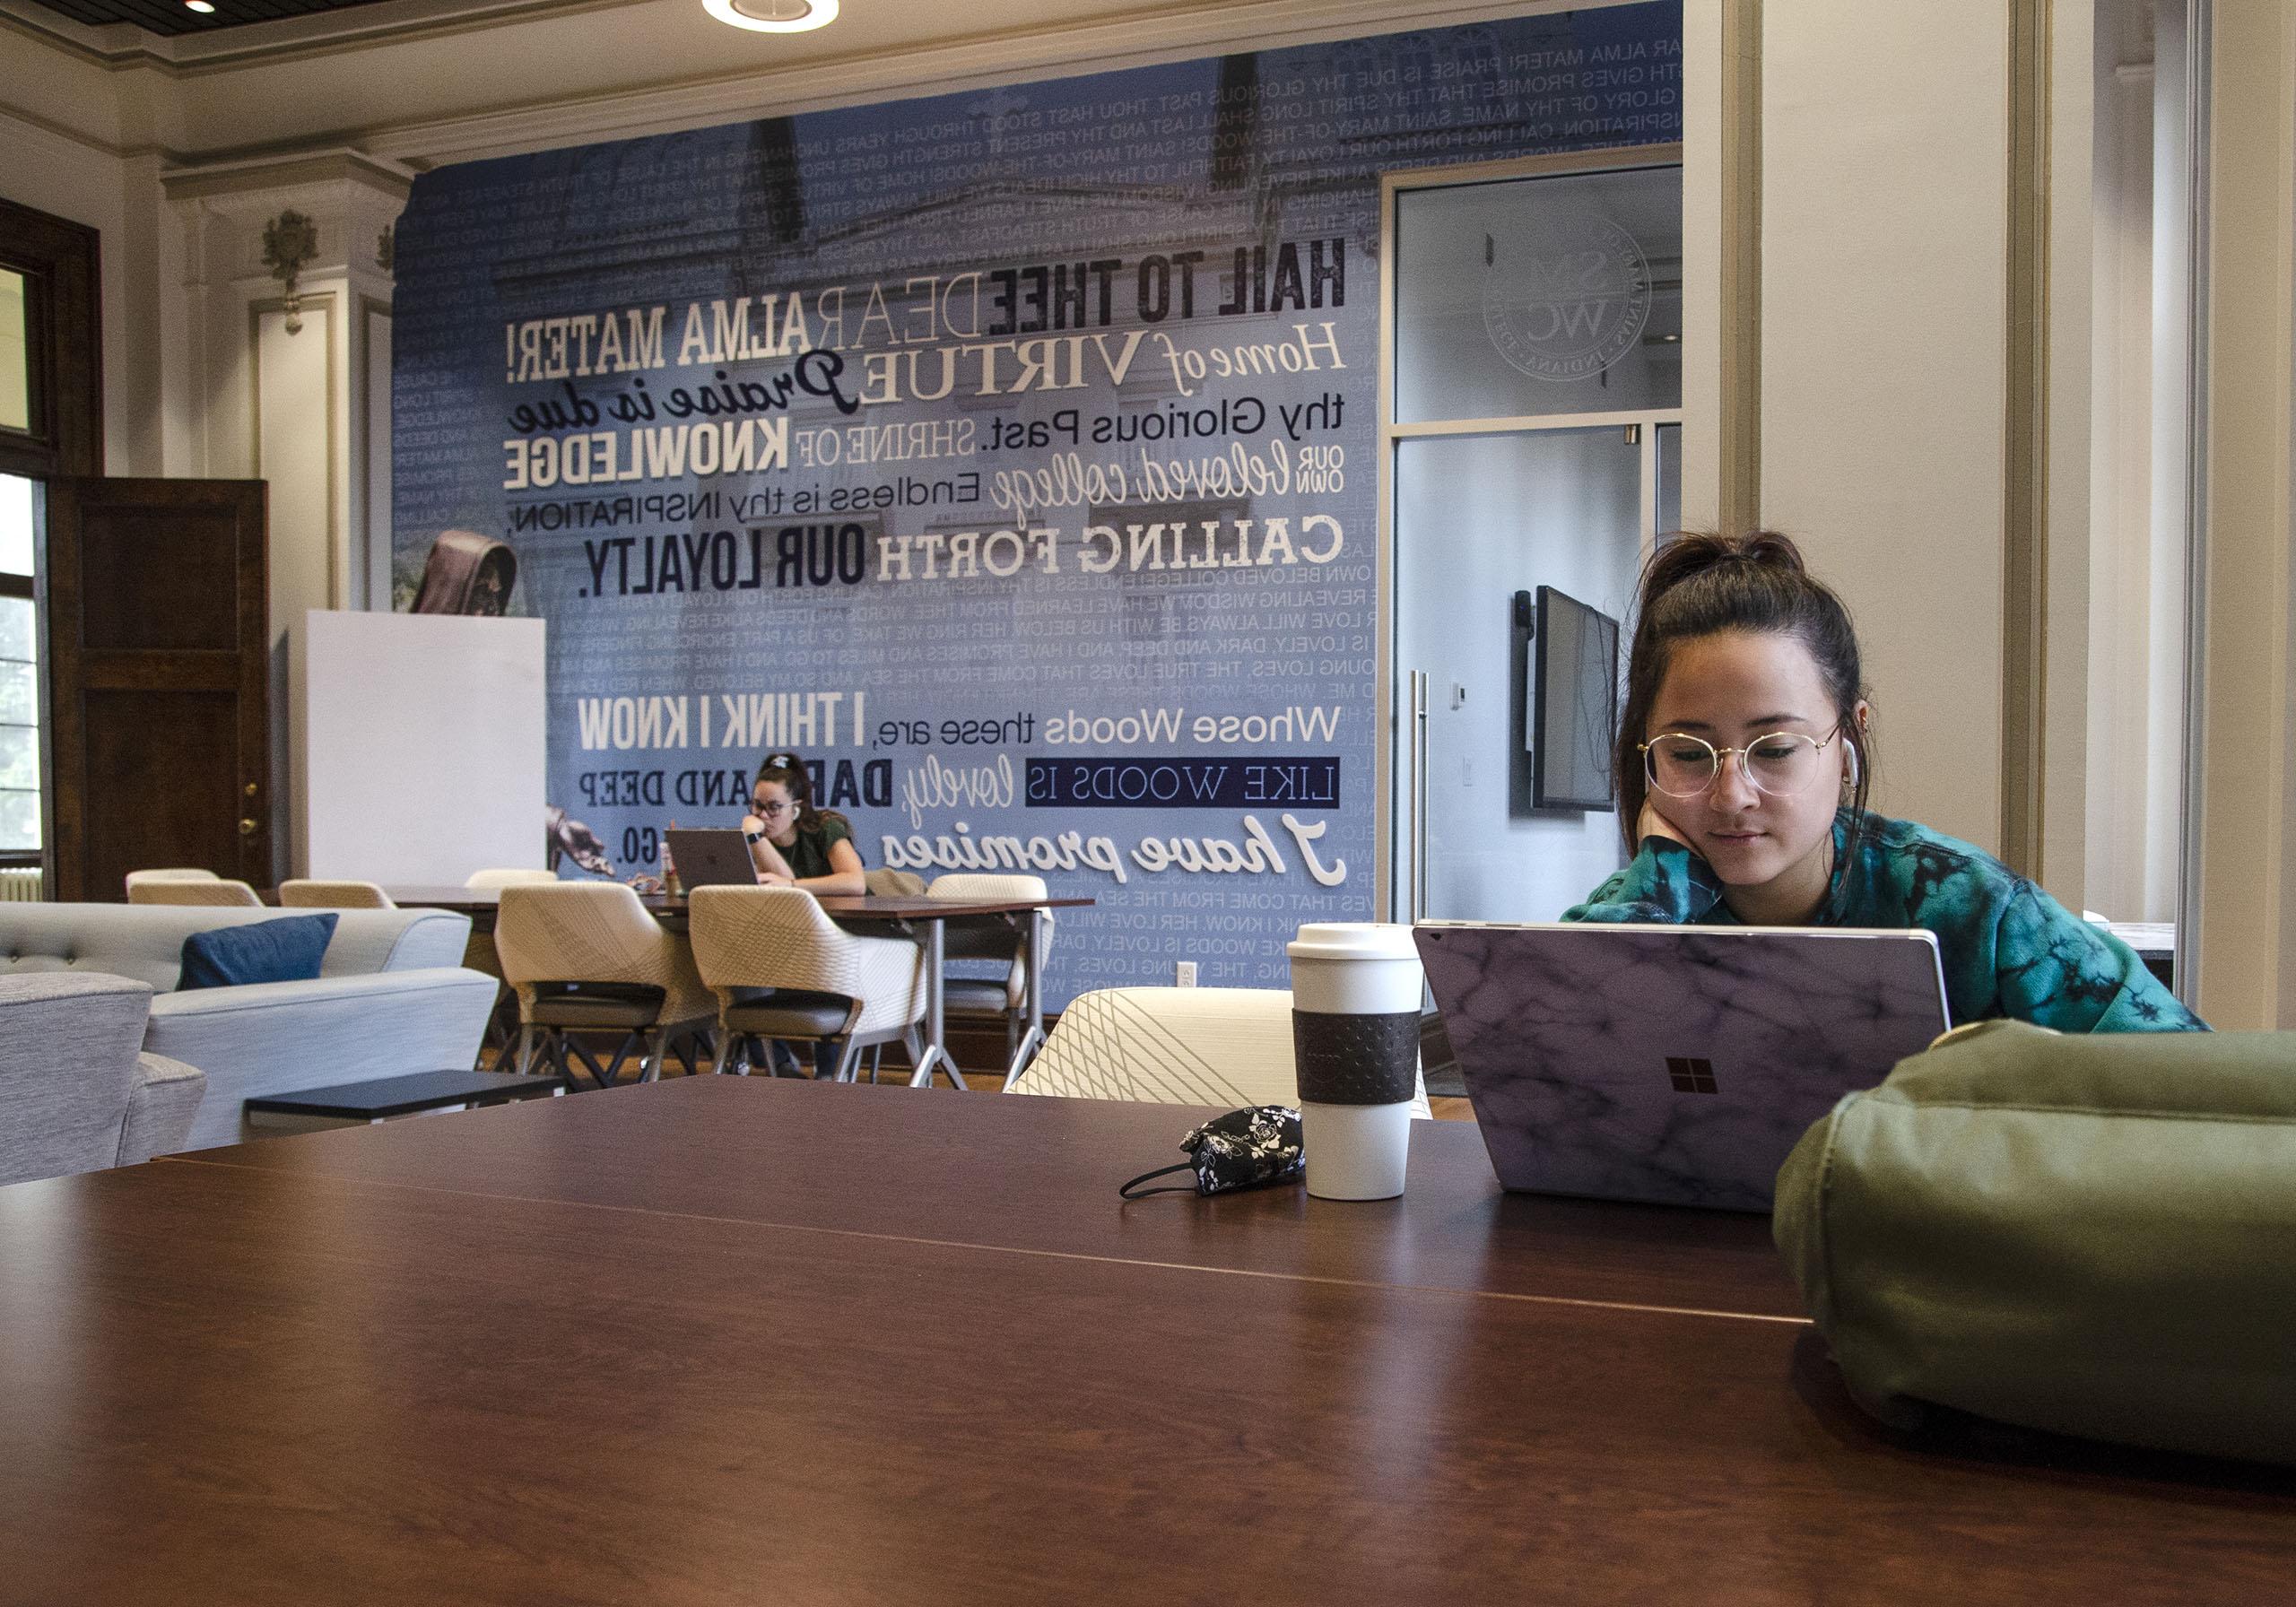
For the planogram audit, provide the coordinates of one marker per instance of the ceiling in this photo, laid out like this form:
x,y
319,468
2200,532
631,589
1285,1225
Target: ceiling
x,y
422,83
173,17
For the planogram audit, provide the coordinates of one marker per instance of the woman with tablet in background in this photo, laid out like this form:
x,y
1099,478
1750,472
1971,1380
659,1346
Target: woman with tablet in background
x,y
1741,768
792,843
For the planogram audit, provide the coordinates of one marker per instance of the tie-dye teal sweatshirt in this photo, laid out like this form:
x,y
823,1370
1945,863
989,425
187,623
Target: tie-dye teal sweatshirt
x,y
2008,949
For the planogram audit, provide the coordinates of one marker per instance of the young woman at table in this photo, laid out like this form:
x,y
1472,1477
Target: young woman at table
x,y
794,844
1741,768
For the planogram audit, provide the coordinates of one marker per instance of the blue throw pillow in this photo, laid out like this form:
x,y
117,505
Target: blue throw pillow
x,y
287,949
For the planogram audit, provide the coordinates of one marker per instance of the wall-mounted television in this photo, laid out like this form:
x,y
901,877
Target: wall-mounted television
x,y
1574,704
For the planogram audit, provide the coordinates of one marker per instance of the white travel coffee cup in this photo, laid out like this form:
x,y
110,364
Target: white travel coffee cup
x,y
1355,988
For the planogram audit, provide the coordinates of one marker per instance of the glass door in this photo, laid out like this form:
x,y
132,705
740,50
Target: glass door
x,y
1532,433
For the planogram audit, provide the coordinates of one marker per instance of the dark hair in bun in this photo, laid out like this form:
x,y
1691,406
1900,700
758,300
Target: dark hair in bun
x,y
1699,584
796,776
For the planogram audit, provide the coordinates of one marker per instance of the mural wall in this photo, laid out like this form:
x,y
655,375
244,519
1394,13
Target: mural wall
x,y
1009,455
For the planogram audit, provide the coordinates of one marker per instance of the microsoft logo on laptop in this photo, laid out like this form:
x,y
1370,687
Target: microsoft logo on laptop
x,y
1691,1076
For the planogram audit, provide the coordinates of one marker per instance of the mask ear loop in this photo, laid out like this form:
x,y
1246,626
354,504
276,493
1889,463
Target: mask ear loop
x,y
1125,1192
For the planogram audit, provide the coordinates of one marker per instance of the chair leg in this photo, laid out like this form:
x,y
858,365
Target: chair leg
x,y
565,1054
611,1075
526,1060
848,1061
725,1051
876,1054
656,1047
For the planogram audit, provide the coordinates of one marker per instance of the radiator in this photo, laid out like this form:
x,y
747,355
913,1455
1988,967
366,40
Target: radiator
x,y
21,886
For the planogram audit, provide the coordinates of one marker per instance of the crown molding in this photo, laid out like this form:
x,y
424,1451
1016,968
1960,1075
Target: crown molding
x,y
267,174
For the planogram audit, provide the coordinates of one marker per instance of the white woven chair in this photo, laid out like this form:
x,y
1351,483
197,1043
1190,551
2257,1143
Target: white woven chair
x,y
585,955
310,893
207,890
1228,1046
502,1026
990,937
782,969
482,880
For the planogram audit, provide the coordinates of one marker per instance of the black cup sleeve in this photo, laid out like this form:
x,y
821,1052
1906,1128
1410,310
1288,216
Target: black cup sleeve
x,y
1356,1059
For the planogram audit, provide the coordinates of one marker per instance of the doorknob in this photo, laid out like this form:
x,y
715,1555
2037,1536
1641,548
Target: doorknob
x,y
246,827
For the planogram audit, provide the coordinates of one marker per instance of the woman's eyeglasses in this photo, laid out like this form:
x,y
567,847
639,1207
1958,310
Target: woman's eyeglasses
x,y
771,811
1783,764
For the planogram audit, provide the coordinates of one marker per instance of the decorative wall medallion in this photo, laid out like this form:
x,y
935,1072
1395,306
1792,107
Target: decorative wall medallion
x,y
289,240
1569,305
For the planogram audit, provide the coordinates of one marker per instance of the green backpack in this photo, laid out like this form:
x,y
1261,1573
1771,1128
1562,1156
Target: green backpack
x,y
2093,1235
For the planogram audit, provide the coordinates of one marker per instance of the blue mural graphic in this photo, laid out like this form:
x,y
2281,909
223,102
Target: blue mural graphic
x,y
1010,455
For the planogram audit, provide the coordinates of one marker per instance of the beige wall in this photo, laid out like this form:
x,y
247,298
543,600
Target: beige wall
x,y
2248,841
1883,158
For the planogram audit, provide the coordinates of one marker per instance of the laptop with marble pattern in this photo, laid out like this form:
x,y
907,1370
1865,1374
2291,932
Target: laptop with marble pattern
x,y
1671,1065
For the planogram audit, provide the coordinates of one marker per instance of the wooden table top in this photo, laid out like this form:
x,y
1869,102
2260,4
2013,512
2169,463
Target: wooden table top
x,y
473,901
788,1358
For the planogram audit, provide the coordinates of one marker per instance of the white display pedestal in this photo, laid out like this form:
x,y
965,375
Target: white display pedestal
x,y
418,751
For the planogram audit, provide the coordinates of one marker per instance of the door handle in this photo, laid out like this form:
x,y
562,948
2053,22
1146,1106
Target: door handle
x,y
1417,908
246,827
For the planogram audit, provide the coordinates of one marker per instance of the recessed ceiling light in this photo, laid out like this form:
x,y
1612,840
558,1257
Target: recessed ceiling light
x,y
774,16
202,6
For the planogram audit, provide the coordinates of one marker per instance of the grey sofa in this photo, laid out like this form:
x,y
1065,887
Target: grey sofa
x,y
391,997
77,1093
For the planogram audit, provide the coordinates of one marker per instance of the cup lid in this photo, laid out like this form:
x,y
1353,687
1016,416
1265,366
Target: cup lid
x,y
1353,940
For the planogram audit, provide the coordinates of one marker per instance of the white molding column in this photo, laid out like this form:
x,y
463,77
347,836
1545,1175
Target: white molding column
x,y
294,408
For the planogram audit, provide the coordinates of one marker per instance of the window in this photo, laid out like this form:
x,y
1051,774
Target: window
x,y
19,700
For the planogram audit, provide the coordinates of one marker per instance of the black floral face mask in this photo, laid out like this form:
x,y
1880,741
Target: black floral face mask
x,y
1250,1148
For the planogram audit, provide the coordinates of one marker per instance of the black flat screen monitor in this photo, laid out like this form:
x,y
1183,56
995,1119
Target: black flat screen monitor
x,y
1574,704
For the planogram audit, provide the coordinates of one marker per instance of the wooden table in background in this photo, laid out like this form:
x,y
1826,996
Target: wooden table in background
x,y
727,1339
913,916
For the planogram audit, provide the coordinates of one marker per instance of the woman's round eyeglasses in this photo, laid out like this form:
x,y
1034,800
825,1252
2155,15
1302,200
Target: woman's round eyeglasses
x,y
1782,764
780,807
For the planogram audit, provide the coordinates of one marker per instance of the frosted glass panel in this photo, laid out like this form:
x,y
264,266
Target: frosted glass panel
x,y
1534,296
15,525
1477,519
15,383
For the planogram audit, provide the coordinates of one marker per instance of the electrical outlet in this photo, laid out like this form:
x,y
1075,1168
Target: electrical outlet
x,y
1186,977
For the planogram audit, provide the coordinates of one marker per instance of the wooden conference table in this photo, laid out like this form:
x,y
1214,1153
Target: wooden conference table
x,y
737,1339
914,915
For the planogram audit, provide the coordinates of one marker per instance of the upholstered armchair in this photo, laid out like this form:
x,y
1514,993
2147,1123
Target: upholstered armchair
x,y
77,1094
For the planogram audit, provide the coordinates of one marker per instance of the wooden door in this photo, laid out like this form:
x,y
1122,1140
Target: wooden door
x,y
159,680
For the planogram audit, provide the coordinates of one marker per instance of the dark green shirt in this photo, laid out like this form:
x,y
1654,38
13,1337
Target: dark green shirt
x,y
808,856
2008,949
